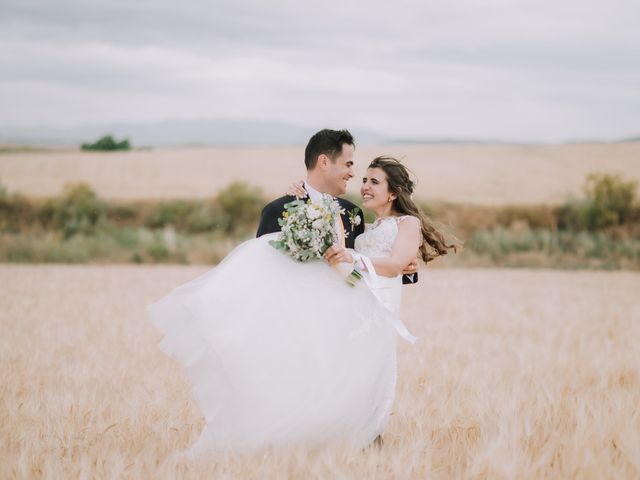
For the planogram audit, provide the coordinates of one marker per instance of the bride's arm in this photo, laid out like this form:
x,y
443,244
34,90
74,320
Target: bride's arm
x,y
297,189
404,249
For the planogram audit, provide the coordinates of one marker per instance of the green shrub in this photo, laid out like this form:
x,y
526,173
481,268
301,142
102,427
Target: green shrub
x,y
106,144
611,200
171,212
16,211
560,249
48,248
127,238
571,215
240,207
158,251
534,217
500,241
205,218
123,212
77,210
464,220
237,209
20,253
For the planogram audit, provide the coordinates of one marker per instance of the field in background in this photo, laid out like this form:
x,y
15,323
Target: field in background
x,y
600,230
518,374
475,174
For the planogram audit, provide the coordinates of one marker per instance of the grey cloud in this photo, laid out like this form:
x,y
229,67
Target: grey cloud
x,y
476,65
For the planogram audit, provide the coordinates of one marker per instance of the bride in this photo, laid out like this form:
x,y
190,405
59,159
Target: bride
x,y
282,353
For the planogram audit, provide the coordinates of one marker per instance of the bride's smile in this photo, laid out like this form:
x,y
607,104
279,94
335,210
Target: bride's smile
x,y
375,193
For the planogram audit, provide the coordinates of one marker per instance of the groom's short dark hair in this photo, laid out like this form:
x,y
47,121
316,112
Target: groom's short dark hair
x,y
327,142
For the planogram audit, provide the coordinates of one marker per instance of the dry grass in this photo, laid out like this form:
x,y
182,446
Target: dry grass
x,y
478,174
518,375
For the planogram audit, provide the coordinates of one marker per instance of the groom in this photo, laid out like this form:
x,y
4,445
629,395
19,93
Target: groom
x,y
329,161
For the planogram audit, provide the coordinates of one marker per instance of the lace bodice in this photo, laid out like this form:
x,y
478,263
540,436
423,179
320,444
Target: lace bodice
x,y
377,242
378,238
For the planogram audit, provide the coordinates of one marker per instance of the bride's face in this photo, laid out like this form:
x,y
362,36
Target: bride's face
x,y
375,190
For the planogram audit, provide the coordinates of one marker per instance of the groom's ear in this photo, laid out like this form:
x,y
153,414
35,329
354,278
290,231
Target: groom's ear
x,y
323,162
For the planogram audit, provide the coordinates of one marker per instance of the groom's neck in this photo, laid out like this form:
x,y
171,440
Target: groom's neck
x,y
316,183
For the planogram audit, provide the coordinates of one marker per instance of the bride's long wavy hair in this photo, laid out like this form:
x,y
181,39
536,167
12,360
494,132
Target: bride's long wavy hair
x,y
400,183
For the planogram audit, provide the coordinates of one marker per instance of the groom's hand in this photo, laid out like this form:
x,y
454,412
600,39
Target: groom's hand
x,y
338,254
411,268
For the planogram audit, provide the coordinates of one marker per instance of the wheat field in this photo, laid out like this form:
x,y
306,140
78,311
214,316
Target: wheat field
x,y
479,174
517,375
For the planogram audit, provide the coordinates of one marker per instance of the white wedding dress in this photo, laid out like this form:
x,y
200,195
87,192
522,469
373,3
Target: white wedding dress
x,y
285,353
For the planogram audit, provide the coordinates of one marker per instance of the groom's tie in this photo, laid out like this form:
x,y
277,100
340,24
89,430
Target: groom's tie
x,y
341,232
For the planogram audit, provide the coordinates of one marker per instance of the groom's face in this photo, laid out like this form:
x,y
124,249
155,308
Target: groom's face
x,y
340,171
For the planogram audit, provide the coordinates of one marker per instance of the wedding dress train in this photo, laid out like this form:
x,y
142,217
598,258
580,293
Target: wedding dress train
x,y
286,353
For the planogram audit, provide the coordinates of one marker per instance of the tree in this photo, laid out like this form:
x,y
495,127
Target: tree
x,y
107,144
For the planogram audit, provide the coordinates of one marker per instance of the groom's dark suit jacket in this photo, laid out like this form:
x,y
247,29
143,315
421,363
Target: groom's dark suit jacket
x,y
273,211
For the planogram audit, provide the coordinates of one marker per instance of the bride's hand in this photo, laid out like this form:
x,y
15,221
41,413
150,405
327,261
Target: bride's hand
x,y
297,190
338,254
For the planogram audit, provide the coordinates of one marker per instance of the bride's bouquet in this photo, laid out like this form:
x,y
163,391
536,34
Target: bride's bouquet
x,y
308,230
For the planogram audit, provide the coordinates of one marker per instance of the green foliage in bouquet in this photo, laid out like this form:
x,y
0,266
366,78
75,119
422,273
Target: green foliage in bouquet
x,y
307,229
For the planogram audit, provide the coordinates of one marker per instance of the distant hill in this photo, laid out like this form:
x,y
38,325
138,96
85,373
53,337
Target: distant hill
x,y
220,132
455,141
228,132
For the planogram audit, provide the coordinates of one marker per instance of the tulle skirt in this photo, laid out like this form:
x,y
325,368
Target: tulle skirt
x,y
281,353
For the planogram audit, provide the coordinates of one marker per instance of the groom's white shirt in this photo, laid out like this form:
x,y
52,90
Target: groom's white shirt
x,y
314,194
316,197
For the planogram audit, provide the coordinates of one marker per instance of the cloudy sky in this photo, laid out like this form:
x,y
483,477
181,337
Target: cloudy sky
x,y
536,70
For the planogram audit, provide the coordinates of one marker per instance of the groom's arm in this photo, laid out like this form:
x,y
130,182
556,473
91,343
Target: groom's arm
x,y
410,278
268,222
270,215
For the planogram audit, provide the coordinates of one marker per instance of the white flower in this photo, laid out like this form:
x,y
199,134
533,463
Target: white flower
x,y
313,213
308,229
354,218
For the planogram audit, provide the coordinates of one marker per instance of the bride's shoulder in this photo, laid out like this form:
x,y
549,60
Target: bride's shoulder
x,y
407,219
408,222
